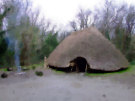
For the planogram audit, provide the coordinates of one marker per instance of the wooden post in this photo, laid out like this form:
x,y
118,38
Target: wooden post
x,y
86,68
45,63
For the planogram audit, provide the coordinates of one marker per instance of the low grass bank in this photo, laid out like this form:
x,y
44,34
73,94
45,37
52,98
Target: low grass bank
x,y
130,69
34,66
30,67
3,69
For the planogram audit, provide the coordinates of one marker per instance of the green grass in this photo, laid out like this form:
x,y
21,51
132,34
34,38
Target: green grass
x,y
59,72
30,67
3,69
34,66
130,69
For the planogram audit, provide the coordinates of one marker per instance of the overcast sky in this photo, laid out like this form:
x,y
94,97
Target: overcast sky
x,y
63,11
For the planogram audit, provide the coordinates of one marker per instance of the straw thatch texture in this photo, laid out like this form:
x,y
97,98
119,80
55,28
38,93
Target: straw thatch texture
x,y
90,44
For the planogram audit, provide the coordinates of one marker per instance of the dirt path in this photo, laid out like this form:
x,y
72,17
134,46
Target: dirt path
x,y
64,87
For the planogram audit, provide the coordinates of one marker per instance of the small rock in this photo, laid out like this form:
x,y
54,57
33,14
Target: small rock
x,y
133,74
25,69
104,95
13,92
9,69
4,75
82,74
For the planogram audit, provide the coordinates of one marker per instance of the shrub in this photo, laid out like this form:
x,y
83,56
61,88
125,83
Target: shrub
x,y
33,67
4,75
39,73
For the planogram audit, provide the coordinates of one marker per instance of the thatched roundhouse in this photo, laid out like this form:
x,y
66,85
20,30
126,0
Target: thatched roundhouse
x,y
90,45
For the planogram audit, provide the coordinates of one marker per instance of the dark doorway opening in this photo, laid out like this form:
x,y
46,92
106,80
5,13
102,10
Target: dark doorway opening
x,y
79,64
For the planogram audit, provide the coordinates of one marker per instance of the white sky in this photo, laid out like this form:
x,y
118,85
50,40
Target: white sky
x,y
62,11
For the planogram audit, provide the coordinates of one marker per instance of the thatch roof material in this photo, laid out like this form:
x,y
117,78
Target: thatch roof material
x,y
90,44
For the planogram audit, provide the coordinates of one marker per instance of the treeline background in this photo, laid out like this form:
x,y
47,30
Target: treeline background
x,y
37,37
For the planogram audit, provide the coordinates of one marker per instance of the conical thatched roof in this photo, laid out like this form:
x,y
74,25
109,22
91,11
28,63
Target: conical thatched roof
x,y
90,44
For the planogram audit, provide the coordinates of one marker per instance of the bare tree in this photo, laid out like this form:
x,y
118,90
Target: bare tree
x,y
73,24
83,20
130,20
